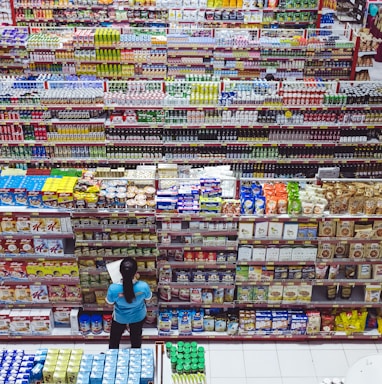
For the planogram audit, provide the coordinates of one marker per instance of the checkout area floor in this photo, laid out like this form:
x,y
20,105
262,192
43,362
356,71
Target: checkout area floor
x,y
258,362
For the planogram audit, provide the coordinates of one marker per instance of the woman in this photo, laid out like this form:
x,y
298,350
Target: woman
x,y
128,299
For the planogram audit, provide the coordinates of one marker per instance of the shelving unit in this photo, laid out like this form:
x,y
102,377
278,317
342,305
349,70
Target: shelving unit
x,y
180,52
158,14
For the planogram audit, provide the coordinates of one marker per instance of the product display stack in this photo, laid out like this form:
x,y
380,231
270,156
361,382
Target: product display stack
x,y
229,147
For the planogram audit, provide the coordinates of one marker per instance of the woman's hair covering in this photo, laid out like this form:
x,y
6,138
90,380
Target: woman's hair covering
x,y
128,269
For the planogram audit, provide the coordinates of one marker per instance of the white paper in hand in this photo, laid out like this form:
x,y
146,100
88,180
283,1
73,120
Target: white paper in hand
x,y
113,269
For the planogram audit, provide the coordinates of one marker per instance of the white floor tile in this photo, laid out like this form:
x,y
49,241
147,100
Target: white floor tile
x,y
227,364
261,364
296,363
227,346
300,380
329,363
265,380
285,346
378,346
317,345
360,345
353,355
266,346
226,380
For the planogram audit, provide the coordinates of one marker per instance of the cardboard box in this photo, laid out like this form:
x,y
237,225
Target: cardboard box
x,y
55,247
285,253
41,321
37,224
22,294
245,230
17,270
261,230
4,321
11,246
290,231
39,293
275,230
53,224
298,254
275,294
74,327
377,272
259,253
61,316
7,294
41,247
290,294
304,293
26,246
8,224
254,273
272,254
244,253
19,322
23,224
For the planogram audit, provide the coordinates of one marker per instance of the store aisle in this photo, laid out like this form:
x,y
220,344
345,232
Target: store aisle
x,y
260,363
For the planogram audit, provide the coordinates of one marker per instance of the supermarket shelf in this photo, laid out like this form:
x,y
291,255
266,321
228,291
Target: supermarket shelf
x,y
334,261
205,232
52,235
111,228
195,285
41,281
317,240
198,247
115,243
112,257
33,305
151,334
310,282
195,264
36,257
111,213
162,216
187,304
366,53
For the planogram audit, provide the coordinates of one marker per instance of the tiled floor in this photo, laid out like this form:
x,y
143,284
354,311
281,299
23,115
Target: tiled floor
x,y
260,363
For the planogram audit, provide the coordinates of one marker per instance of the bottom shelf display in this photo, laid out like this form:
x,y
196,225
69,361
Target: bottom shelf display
x,y
50,365
198,324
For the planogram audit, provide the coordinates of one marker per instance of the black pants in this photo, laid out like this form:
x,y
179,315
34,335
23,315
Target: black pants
x,y
117,330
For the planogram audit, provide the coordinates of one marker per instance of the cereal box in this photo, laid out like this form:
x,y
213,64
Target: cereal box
x,y
69,269
19,322
53,224
38,224
73,293
61,316
8,224
41,321
41,247
56,247
22,294
26,246
17,270
56,293
39,293
4,321
7,294
4,271
34,269
34,199
11,246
